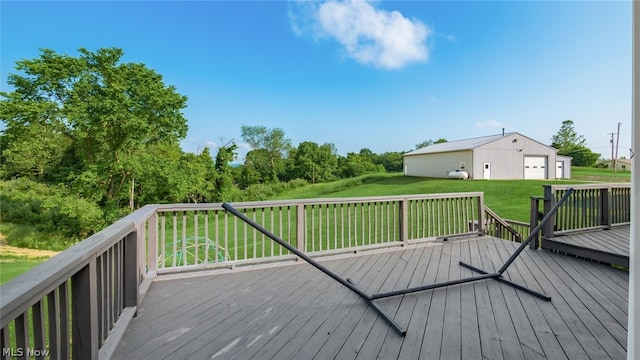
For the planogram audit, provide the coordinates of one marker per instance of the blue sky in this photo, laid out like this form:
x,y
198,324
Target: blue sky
x,y
377,75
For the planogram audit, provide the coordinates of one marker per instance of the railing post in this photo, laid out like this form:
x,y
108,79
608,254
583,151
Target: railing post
x,y
533,220
130,273
481,222
300,225
84,302
404,221
605,207
152,241
549,202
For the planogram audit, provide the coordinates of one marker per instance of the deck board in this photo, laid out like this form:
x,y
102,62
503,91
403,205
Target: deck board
x,y
589,331
509,342
296,312
609,246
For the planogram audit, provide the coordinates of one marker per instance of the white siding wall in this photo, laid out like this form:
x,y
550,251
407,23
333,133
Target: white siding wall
x,y
567,165
438,165
507,157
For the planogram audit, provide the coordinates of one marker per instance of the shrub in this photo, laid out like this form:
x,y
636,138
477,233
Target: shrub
x,y
38,210
260,192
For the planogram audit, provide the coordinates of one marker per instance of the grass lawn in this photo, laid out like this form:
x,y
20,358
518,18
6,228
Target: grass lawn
x,y
15,261
508,198
11,267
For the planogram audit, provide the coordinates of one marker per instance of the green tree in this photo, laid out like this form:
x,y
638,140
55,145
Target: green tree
x,y
260,166
224,172
199,176
391,161
156,174
33,152
426,143
569,143
567,137
355,165
313,162
107,111
270,146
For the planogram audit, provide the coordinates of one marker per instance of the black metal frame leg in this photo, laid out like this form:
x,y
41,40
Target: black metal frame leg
x,y
508,282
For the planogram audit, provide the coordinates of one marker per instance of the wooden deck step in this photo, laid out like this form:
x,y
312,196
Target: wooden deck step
x,y
606,246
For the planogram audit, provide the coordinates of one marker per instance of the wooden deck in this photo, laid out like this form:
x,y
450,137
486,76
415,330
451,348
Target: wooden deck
x,y
295,311
607,246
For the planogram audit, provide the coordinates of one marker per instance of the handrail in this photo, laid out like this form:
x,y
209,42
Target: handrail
x,y
556,187
515,235
590,206
50,274
313,201
98,277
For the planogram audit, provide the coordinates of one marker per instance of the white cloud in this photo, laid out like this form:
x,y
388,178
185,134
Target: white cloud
x,y
490,124
368,35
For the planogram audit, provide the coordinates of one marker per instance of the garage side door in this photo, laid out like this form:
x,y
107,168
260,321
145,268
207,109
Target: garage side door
x,y
559,170
535,167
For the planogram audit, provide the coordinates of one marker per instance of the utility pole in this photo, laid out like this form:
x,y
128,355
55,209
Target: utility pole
x,y
617,143
613,161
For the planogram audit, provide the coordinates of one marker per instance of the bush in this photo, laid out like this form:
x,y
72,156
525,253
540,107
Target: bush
x,y
260,192
40,210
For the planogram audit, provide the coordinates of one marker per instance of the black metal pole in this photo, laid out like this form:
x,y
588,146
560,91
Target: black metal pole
x,y
486,275
299,253
535,231
511,283
401,331
433,286
305,257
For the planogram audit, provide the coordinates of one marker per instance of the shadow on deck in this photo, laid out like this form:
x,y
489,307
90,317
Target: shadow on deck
x,y
291,310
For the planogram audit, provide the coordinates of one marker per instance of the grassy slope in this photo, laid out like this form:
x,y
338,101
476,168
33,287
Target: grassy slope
x,y
508,198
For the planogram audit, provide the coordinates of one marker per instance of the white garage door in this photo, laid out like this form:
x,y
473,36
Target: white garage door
x,y
535,167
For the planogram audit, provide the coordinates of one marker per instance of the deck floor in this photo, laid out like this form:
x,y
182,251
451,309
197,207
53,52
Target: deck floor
x,y
296,312
608,246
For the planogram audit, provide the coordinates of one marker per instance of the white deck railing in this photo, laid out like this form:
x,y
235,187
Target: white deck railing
x,y
79,303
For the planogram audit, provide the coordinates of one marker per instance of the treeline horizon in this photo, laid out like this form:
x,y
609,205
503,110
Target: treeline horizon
x,y
87,139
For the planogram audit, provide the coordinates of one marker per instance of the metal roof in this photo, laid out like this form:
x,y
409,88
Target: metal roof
x,y
458,145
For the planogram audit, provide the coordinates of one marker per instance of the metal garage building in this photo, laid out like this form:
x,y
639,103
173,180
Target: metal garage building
x,y
503,156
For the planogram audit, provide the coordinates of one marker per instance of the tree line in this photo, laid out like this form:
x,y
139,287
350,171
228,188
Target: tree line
x,y
88,138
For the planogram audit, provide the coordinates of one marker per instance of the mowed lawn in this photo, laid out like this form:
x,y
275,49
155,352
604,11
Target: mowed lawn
x,y
508,198
15,261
